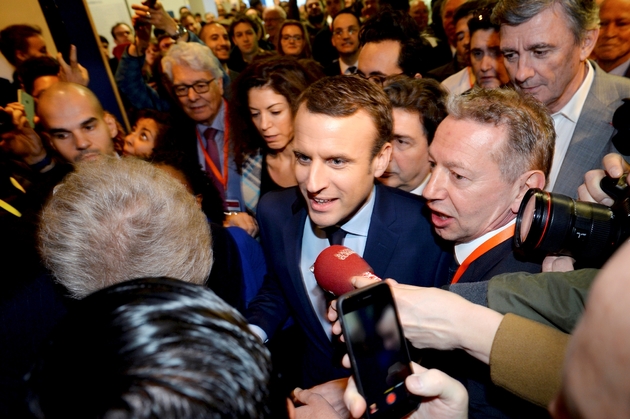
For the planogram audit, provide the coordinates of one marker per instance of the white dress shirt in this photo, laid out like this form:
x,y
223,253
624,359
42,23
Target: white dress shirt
x,y
314,240
565,121
418,191
463,250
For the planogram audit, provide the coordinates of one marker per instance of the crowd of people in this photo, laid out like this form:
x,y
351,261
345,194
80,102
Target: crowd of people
x,y
167,272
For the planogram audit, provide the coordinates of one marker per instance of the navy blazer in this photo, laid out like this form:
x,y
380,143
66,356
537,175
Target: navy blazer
x,y
487,400
400,245
500,260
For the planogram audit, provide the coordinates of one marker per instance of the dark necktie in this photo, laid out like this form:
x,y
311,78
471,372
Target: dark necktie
x,y
335,235
213,152
351,70
211,147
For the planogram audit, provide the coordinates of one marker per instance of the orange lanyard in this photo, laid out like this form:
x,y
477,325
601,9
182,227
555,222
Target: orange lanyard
x,y
492,242
226,148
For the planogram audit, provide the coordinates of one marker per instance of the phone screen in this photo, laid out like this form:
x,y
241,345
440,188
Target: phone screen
x,y
29,106
377,350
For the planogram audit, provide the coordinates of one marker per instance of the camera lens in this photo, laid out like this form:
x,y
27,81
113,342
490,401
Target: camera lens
x,y
557,224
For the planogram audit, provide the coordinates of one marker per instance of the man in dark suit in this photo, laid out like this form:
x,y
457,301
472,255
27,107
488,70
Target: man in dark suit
x,y
493,146
546,48
345,39
343,126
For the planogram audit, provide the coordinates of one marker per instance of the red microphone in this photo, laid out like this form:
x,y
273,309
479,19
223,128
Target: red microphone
x,y
336,265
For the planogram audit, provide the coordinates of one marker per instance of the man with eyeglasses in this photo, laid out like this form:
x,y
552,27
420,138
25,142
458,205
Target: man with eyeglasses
x,y
195,80
391,44
345,39
273,17
123,36
324,51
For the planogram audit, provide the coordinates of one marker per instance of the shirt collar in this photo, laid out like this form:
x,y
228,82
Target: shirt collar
x,y
573,108
343,67
463,250
218,122
418,191
621,69
359,224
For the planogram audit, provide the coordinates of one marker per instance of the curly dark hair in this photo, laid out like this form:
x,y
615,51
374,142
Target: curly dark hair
x,y
284,75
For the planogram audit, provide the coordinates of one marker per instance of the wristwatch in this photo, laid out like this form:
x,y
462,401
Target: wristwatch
x,y
181,31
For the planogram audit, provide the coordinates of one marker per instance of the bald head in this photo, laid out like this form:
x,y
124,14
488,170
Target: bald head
x,y
59,92
75,123
596,378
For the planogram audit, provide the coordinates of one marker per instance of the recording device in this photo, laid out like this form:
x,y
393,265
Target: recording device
x,y
559,225
378,350
29,106
336,265
138,22
621,122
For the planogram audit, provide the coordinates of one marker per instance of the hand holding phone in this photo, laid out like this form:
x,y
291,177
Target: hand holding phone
x,y
377,350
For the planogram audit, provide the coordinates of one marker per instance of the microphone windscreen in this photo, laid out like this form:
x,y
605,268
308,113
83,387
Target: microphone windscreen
x,y
336,265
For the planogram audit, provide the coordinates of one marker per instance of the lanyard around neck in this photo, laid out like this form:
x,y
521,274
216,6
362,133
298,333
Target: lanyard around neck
x,y
491,243
223,178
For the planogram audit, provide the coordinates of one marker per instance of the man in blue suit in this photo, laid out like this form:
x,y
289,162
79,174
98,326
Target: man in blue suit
x,y
343,126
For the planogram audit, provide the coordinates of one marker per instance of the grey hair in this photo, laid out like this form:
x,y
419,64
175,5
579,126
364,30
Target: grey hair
x,y
191,54
531,134
581,15
278,9
113,220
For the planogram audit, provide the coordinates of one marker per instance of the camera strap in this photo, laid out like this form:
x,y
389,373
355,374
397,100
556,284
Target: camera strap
x,y
491,243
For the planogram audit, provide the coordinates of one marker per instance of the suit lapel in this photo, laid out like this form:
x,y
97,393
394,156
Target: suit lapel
x,y
292,237
591,136
381,241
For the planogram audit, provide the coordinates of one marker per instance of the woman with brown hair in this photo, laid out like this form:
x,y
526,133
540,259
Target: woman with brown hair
x,y
293,40
262,120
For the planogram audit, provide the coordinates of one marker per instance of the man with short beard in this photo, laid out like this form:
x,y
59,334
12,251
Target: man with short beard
x,y
314,17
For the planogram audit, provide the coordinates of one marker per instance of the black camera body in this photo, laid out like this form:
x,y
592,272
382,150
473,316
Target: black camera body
x,y
555,224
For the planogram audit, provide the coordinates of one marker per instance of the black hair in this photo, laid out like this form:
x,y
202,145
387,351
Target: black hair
x,y
14,38
152,348
117,25
33,68
396,25
241,18
481,20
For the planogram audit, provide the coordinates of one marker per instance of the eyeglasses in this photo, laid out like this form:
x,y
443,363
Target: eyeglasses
x,y
296,38
374,78
201,86
351,31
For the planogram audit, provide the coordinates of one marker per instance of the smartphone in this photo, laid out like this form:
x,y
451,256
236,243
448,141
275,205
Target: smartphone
x,y
378,350
29,106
